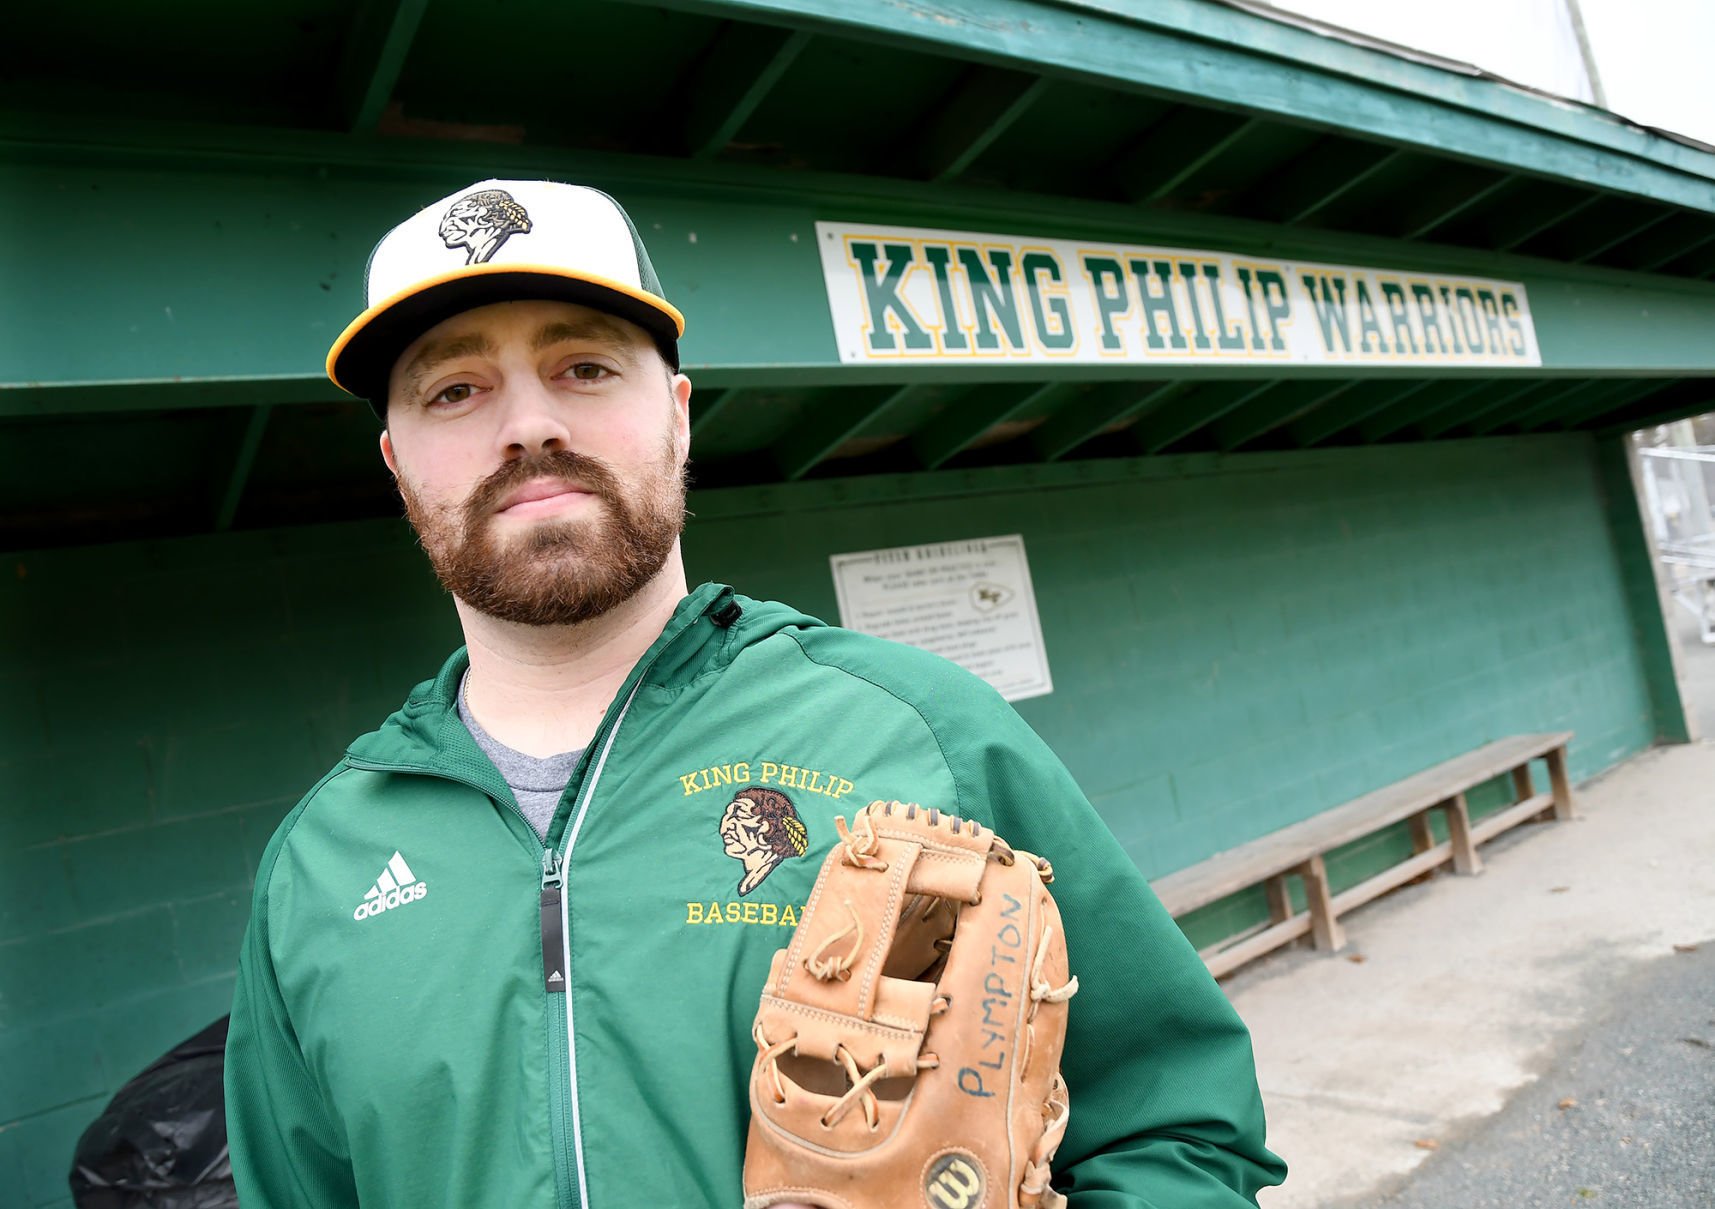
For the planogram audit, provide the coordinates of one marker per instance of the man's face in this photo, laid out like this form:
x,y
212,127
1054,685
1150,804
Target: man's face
x,y
540,450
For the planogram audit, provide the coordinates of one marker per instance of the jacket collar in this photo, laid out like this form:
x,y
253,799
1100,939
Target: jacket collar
x,y
426,734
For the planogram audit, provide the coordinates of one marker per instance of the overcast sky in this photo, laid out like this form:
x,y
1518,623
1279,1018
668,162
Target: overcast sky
x,y
1653,56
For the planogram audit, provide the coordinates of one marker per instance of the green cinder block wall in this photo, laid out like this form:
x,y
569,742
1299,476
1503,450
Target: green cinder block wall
x,y
1235,644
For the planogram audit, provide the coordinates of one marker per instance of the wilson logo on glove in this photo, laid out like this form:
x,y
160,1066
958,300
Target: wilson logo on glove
x,y
909,1037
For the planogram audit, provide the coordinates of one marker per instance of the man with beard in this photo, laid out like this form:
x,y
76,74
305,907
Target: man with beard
x,y
566,1019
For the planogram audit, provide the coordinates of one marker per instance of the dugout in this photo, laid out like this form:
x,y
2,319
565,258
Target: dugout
x,y
1302,366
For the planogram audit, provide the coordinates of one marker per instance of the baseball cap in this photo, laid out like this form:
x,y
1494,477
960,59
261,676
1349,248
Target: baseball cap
x,y
499,241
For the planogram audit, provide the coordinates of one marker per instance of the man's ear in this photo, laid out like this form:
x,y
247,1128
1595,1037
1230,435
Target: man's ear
x,y
681,387
387,453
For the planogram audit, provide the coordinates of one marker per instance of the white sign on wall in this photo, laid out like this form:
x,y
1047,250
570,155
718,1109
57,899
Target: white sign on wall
x,y
968,601
906,294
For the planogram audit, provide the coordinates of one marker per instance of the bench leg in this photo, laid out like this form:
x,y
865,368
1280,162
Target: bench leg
x,y
1562,786
1422,840
1465,858
1523,787
1325,929
1279,899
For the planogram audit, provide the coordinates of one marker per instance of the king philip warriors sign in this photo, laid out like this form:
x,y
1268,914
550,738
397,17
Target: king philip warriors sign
x,y
908,294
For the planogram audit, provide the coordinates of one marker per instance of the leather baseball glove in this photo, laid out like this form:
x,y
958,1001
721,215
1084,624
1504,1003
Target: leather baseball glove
x,y
909,1036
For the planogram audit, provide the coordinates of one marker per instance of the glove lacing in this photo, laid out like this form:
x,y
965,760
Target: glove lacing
x,y
1041,990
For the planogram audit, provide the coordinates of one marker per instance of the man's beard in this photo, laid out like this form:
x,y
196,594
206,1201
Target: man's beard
x,y
554,572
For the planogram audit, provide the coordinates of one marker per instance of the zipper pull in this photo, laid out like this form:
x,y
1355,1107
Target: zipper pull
x,y
553,935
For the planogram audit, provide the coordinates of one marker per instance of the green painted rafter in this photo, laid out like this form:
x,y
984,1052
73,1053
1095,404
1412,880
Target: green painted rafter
x,y
1671,402
1285,404
255,425
374,55
740,67
801,452
1176,149
986,103
1098,410
1368,399
1413,408
703,415
1443,206
1561,392
978,412
1621,234
1661,250
1526,224
1495,408
1623,398
1182,417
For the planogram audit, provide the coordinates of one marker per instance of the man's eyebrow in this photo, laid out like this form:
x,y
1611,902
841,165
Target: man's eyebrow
x,y
437,352
595,327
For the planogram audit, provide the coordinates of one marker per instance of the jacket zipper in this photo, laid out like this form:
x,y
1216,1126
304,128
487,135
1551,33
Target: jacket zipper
x,y
569,1065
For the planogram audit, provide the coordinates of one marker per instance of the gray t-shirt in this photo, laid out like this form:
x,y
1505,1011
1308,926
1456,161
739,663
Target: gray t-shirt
x,y
537,783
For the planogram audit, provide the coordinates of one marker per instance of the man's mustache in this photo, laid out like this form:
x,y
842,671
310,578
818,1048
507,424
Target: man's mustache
x,y
590,473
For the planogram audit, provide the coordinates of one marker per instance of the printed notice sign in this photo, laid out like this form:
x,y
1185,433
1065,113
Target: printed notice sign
x,y
915,295
968,601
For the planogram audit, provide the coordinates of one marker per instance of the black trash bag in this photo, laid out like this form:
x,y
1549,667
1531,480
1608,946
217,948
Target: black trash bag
x,y
161,1142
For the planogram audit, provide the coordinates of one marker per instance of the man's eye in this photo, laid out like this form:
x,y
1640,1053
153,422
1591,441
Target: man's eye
x,y
458,392
588,371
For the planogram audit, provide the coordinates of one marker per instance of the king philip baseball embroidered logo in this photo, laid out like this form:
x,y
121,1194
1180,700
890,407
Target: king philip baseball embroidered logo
x,y
481,222
396,887
760,828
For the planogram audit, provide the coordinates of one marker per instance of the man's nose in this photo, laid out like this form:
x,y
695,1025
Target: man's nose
x,y
533,420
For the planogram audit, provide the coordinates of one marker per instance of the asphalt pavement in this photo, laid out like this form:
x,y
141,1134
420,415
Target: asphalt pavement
x,y
1623,1117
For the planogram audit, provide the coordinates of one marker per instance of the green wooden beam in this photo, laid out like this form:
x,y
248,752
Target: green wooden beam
x,y
1485,412
1366,399
742,65
1595,412
1175,149
1682,402
1412,407
801,452
1621,233
1699,263
1441,205
1663,250
1278,407
704,414
1096,411
1228,58
978,412
986,103
121,397
1183,416
242,463
1458,403
1324,174
1605,412
1565,393
374,55
1526,223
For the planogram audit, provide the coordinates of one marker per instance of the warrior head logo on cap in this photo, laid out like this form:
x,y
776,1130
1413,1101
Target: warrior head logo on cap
x,y
481,222
760,828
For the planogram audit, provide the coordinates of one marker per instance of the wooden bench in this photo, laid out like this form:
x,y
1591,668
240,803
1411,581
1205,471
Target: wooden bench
x,y
1299,850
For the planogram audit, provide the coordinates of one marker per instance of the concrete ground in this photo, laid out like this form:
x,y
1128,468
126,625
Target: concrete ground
x,y
1460,997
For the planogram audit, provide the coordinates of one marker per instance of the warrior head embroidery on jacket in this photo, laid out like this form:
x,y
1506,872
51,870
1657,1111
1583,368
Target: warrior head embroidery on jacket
x,y
760,828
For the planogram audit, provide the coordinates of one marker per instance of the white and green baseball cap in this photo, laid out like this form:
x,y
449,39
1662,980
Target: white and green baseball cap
x,y
499,241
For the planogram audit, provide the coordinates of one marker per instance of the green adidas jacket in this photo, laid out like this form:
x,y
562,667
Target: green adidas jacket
x,y
435,1011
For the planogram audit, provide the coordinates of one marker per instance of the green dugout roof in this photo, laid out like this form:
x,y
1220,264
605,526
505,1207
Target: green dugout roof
x,y
192,189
